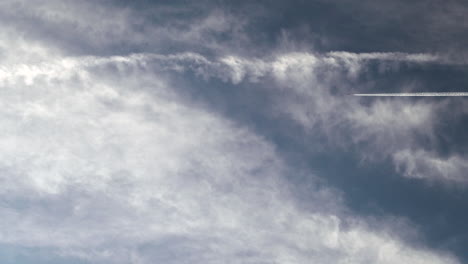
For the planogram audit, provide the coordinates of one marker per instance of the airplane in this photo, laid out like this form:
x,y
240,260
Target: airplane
x,y
415,94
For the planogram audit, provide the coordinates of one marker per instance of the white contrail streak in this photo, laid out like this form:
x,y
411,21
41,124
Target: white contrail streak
x,y
415,94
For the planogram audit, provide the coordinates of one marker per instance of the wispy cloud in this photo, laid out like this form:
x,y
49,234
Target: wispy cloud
x,y
107,157
98,167
297,72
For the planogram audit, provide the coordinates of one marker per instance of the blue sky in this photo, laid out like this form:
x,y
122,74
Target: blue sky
x,y
226,132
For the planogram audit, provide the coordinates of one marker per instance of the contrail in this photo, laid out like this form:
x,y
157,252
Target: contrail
x,y
414,94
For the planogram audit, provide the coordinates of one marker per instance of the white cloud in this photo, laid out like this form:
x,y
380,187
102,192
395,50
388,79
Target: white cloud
x,y
318,97
427,165
387,127
101,159
85,27
95,164
392,56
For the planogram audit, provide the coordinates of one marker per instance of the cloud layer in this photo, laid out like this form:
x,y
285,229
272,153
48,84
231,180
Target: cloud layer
x,y
115,149
115,167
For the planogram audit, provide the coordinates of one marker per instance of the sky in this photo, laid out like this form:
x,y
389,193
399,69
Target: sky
x,y
218,131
